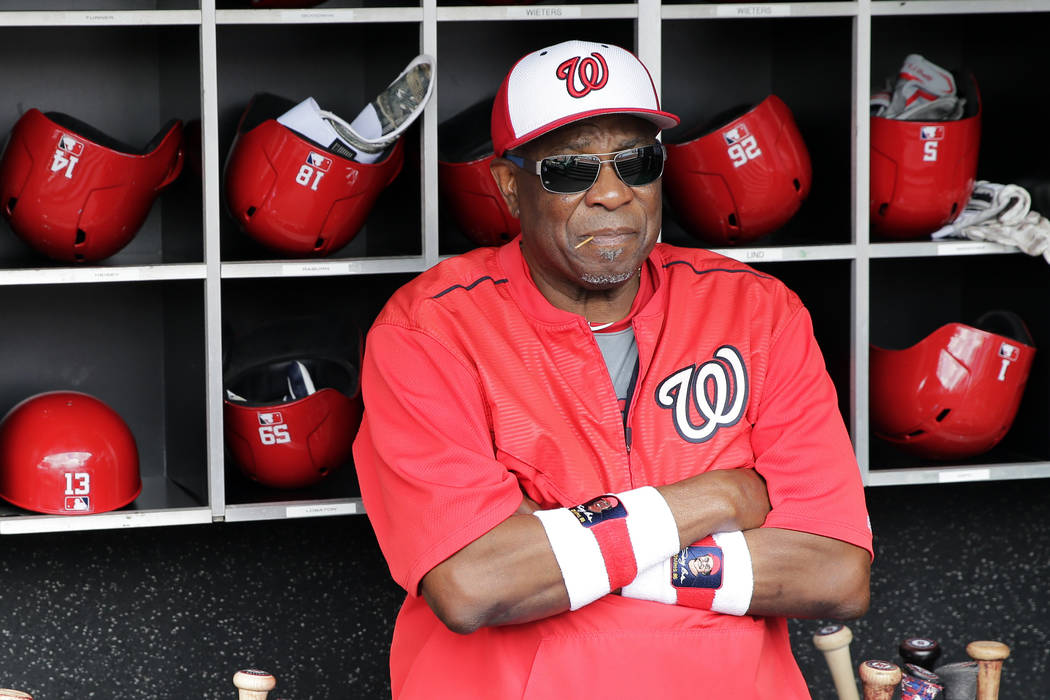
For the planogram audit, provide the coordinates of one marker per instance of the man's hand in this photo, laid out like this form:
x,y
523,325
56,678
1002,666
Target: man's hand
x,y
717,501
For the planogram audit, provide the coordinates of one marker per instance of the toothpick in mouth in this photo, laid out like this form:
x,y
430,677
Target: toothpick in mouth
x,y
586,240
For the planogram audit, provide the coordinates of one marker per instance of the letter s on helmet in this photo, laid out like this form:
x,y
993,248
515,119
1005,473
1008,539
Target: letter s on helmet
x,y
741,180
77,195
955,393
67,453
290,194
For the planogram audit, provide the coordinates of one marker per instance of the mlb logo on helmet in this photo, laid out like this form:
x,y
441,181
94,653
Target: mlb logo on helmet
x,y
80,504
1009,352
270,418
319,161
70,145
931,133
737,133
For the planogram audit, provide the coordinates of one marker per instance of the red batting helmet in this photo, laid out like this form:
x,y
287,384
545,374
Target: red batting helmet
x,y
741,180
922,173
76,194
955,393
293,195
291,422
67,453
466,183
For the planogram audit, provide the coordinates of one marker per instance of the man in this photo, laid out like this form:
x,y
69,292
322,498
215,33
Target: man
x,y
550,422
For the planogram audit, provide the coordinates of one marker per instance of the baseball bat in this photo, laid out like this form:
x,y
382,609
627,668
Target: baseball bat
x,y
833,641
960,680
880,679
920,651
989,657
6,693
253,684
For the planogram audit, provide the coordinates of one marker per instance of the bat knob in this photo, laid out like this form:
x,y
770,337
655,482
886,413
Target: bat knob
x,y
920,651
831,637
880,679
253,684
987,651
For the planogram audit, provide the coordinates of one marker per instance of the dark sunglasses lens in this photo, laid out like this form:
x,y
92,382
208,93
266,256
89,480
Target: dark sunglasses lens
x,y
569,174
640,166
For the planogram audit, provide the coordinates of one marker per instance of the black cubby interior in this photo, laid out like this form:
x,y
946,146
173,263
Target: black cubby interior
x,y
126,82
990,47
139,347
824,288
463,80
329,315
910,298
711,66
343,67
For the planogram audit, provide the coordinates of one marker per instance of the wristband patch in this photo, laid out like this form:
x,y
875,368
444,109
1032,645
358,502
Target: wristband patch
x,y
697,567
599,510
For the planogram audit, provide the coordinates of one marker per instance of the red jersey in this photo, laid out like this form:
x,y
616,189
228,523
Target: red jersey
x,y
476,388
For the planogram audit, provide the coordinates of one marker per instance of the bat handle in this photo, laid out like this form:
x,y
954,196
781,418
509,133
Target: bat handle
x,y
833,641
880,679
989,657
253,684
8,693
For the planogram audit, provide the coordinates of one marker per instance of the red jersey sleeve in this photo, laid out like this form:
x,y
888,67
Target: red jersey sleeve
x,y
429,480
801,445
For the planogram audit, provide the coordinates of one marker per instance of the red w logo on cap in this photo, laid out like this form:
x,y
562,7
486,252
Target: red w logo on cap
x,y
583,74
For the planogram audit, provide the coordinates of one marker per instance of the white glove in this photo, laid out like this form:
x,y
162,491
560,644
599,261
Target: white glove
x,y
989,202
1031,235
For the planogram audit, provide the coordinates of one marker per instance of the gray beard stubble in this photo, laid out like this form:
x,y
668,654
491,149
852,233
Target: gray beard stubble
x,y
609,280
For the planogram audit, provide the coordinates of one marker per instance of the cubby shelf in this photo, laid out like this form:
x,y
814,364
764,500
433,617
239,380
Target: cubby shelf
x,y
132,64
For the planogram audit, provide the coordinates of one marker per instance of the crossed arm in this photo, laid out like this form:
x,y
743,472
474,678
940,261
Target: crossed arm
x,y
796,574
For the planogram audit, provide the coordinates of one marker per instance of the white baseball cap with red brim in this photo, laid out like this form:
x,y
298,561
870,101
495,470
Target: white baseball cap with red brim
x,y
567,82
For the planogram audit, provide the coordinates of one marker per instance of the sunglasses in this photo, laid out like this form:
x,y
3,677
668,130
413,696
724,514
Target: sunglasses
x,y
571,174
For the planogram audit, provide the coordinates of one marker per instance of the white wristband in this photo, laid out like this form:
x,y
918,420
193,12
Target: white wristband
x,y
603,544
738,581
728,590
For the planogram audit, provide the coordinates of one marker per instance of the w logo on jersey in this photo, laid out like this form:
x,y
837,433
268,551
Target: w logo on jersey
x,y
715,392
583,74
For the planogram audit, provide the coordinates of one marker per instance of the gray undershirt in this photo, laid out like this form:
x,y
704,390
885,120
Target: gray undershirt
x,y
620,351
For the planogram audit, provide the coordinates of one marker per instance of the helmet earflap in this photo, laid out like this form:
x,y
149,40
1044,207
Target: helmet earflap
x,y
923,172
292,195
76,194
465,180
955,393
741,179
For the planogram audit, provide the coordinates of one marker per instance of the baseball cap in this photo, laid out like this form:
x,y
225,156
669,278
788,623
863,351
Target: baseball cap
x,y
567,82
